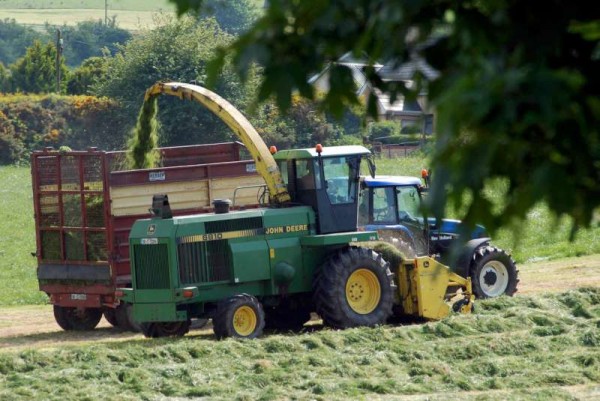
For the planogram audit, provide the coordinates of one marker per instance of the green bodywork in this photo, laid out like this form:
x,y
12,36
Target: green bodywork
x,y
182,266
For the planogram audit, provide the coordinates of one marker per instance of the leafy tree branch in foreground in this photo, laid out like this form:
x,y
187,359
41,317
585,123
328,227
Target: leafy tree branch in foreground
x,y
517,97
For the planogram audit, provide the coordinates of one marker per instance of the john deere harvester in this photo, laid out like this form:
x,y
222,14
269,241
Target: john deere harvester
x,y
276,264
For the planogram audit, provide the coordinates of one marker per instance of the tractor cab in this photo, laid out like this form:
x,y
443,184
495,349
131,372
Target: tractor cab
x,y
327,179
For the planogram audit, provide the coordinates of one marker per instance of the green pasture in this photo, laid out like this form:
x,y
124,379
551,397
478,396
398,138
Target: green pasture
x,y
535,348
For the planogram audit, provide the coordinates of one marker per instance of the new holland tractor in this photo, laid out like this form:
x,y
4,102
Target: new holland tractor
x,y
276,264
392,207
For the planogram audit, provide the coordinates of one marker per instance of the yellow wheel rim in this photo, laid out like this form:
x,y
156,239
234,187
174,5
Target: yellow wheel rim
x,y
244,321
363,291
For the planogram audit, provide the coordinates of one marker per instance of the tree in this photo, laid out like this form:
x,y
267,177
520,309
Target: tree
x,y
4,78
233,16
517,97
36,71
174,51
82,78
15,38
90,39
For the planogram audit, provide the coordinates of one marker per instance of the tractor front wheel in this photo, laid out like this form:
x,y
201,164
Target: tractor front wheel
x,y
354,287
493,273
77,319
165,329
240,316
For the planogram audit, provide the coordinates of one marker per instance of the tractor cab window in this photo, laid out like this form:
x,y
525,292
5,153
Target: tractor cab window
x,y
383,205
341,175
409,203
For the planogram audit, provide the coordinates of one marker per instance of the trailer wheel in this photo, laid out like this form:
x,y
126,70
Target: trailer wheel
x,y
165,329
354,287
124,316
77,319
493,272
240,316
110,315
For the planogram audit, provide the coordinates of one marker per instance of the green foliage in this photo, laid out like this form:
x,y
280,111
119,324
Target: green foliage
x,y
176,50
383,130
33,122
4,78
517,96
15,38
90,39
36,71
142,153
233,16
522,348
91,71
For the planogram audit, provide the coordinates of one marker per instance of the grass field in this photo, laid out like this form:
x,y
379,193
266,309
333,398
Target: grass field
x,y
18,283
545,347
131,14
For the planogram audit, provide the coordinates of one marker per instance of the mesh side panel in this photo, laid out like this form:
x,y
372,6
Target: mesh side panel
x,y
92,173
151,266
50,245
69,173
72,210
50,216
96,247
47,168
74,245
233,225
94,209
204,262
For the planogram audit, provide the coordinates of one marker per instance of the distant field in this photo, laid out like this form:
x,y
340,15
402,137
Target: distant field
x,y
134,5
130,20
131,14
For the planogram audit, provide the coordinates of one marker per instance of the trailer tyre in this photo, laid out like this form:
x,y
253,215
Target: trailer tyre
x,y
240,316
493,273
77,319
354,287
165,329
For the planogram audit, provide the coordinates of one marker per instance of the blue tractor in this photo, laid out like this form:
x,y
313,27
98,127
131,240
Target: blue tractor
x,y
391,205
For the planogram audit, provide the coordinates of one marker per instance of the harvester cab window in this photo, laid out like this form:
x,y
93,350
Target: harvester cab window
x,y
306,172
363,207
409,203
340,178
383,205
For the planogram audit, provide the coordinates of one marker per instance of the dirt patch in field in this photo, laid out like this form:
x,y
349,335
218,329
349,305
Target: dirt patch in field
x,y
34,326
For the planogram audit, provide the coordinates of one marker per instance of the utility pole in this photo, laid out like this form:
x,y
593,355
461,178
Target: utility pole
x,y
106,12
59,50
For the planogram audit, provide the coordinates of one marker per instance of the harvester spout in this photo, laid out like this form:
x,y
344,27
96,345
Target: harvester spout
x,y
265,163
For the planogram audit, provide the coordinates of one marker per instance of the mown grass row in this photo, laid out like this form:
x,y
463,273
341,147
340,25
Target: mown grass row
x,y
511,348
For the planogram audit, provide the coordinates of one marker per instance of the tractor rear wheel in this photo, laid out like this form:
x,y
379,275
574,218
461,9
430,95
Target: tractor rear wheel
x,y
165,329
240,316
493,273
354,287
78,319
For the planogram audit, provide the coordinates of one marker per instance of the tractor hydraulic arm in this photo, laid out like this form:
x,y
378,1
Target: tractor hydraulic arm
x,y
265,163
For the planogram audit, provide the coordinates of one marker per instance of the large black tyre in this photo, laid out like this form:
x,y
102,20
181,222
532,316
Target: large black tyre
x,y
77,319
110,314
124,316
165,329
240,316
493,273
354,287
